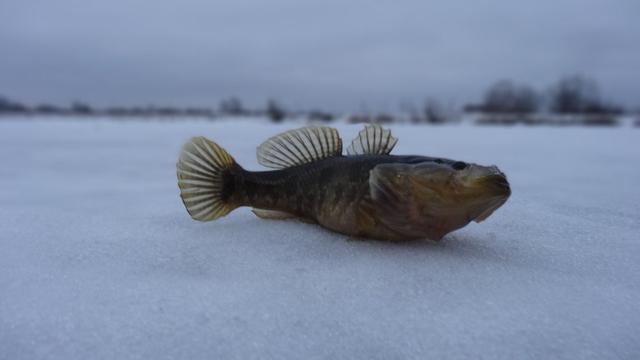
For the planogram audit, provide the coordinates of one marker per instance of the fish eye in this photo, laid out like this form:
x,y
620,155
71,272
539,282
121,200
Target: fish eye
x,y
459,165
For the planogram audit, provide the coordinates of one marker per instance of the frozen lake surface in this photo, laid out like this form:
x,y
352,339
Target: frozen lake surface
x,y
99,259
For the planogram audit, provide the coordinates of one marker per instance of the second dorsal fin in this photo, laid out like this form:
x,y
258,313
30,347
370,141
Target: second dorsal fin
x,y
372,140
300,146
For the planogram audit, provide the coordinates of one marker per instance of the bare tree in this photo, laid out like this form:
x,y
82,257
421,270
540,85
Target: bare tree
x,y
580,95
434,112
275,111
9,106
232,106
575,94
506,97
81,108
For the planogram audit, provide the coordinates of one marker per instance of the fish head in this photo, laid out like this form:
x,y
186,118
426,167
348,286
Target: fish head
x,y
480,189
437,197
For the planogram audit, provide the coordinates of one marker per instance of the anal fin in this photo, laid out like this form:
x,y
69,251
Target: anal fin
x,y
272,214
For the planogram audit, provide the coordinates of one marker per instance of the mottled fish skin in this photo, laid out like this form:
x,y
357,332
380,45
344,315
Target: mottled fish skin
x,y
368,193
333,192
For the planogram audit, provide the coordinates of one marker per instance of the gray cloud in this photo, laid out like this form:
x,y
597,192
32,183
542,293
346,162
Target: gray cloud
x,y
334,54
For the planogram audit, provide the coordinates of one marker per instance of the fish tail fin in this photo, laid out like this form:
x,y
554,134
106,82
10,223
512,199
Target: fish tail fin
x,y
207,177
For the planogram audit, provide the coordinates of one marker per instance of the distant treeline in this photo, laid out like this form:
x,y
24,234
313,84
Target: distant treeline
x,y
570,95
228,107
571,100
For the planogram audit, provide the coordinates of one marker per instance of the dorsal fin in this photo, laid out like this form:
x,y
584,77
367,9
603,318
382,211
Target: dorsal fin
x,y
372,140
300,146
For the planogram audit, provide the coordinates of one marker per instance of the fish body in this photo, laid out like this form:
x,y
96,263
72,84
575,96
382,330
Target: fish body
x,y
368,193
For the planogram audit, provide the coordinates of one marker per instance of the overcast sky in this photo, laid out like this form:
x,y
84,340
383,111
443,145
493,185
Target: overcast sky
x,y
336,54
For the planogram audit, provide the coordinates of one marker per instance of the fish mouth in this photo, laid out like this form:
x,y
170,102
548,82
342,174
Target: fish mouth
x,y
500,185
499,190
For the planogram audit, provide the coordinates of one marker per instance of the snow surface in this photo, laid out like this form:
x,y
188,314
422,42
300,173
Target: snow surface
x,y
99,259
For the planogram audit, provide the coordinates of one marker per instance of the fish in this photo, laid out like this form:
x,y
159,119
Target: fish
x,y
367,193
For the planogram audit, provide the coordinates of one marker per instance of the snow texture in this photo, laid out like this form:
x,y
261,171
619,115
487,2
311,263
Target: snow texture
x,y
99,259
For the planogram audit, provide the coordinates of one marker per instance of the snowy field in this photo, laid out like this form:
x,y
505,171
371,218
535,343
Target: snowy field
x,y
99,259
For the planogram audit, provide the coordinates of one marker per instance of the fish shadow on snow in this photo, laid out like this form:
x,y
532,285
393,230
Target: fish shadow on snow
x,y
223,243
454,246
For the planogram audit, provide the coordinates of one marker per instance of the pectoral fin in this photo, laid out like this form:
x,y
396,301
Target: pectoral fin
x,y
401,203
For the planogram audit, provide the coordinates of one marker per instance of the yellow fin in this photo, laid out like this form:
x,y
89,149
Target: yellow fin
x,y
201,169
272,214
